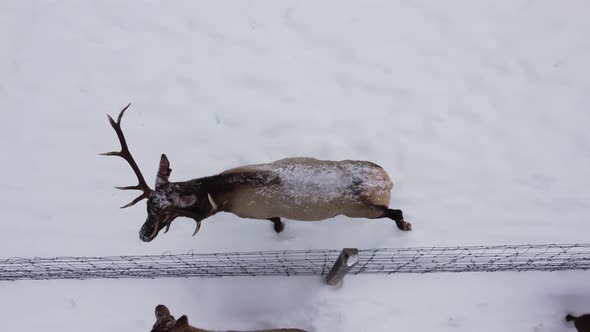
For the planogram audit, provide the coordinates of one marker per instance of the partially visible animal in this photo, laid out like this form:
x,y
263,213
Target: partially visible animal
x,y
582,323
304,189
165,322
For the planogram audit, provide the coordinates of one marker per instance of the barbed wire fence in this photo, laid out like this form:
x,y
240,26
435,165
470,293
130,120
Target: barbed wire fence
x,y
546,257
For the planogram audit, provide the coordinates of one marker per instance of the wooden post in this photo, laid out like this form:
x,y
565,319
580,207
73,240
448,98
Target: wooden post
x,y
345,262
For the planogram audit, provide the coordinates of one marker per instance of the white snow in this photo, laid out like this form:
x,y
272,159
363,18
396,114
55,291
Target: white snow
x,y
478,110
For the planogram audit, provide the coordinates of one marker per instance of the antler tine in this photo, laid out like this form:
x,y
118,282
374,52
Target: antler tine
x,y
137,199
125,154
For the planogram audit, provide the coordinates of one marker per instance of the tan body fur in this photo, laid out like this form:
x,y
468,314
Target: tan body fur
x,y
307,189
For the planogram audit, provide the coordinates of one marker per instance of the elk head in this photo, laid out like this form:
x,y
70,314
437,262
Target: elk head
x,y
169,200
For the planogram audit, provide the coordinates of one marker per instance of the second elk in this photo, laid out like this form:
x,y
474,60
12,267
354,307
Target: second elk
x,y
165,322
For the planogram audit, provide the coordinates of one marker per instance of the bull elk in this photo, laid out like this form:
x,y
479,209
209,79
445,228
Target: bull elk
x,y
166,323
305,189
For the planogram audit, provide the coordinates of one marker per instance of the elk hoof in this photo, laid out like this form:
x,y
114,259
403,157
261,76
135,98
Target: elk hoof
x,y
404,226
279,226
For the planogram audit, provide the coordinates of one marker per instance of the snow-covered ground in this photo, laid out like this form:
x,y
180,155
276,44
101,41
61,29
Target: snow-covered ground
x,y
479,110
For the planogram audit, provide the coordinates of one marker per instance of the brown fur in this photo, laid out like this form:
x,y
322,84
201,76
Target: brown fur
x,y
582,323
166,323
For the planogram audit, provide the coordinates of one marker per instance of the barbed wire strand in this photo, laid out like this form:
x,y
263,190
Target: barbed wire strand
x,y
545,257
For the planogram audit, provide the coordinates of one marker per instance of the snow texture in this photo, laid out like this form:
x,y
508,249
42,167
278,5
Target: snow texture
x,y
478,110
303,181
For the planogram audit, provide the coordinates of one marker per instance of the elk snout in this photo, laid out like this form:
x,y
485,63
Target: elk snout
x,y
150,228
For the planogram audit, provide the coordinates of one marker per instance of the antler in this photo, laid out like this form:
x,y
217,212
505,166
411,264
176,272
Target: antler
x,y
125,154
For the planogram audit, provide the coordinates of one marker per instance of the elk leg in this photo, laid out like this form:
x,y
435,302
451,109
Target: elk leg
x,y
398,217
278,224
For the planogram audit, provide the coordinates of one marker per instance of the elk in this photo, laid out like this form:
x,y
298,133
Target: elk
x,y
304,189
166,323
582,323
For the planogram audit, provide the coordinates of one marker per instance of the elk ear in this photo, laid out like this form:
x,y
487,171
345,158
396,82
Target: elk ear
x,y
161,312
163,171
182,321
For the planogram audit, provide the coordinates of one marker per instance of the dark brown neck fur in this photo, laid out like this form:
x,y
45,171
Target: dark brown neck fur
x,y
223,184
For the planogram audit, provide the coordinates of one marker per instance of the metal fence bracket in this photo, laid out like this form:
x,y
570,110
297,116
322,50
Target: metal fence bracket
x,y
348,258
